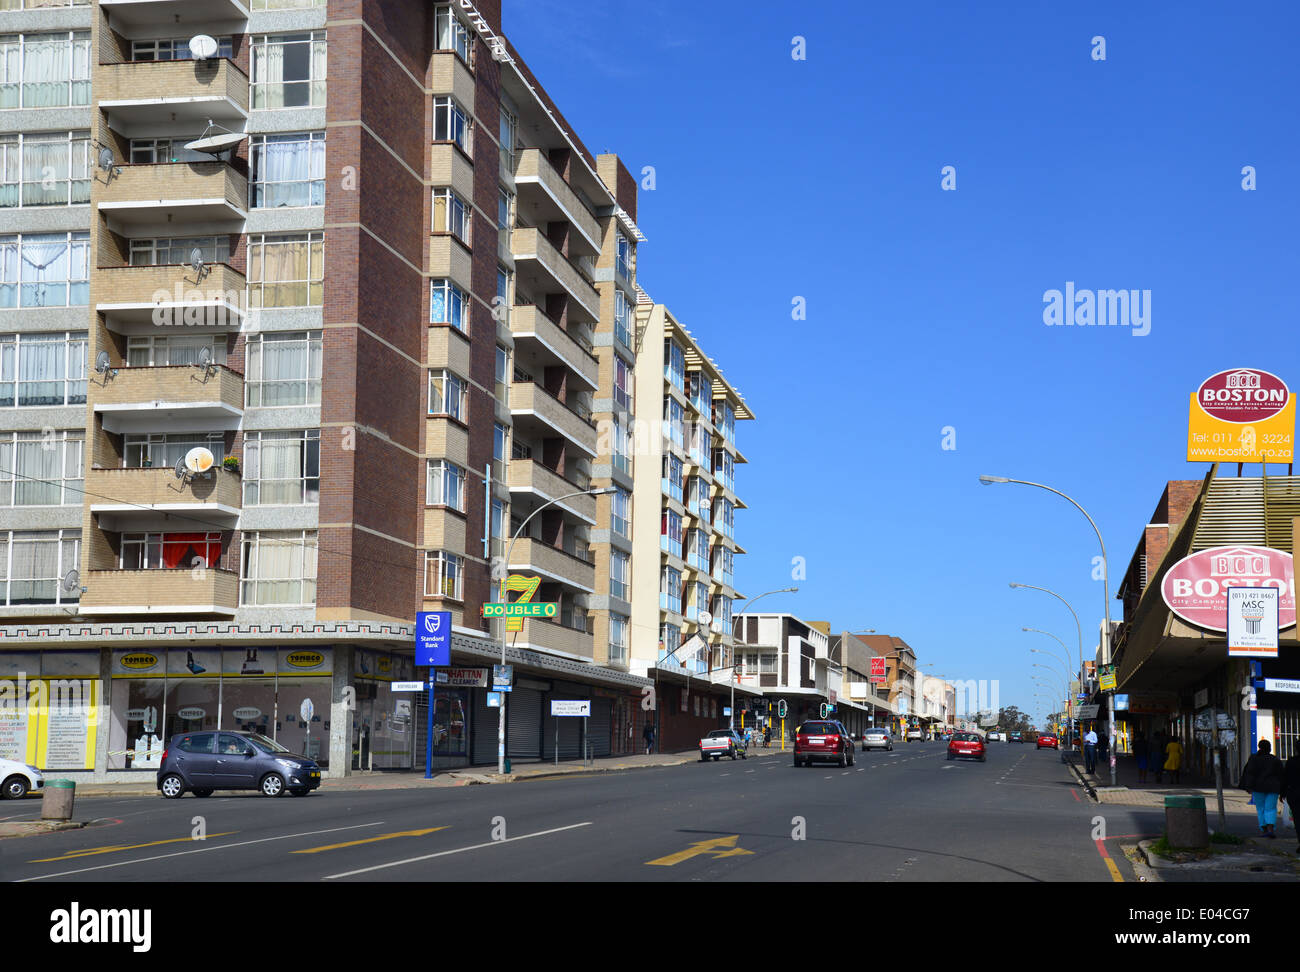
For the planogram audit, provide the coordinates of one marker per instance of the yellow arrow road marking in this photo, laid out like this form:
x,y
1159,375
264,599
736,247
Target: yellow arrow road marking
x,y
112,848
370,840
712,846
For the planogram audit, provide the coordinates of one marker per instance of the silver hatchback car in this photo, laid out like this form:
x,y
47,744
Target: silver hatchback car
x,y
877,739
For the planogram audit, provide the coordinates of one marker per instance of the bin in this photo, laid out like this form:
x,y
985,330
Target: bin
x,y
57,800
507,765
1185,821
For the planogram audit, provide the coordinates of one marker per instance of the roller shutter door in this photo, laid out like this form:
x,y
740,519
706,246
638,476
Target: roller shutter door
x,y
484,728
598,726
524,724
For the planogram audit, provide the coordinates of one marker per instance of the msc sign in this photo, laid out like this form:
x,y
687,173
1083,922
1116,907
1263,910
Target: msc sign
x,y
433,638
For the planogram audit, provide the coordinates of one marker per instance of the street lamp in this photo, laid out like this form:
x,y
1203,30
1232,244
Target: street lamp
x,y
1105,599
749,604
1077,628
501,715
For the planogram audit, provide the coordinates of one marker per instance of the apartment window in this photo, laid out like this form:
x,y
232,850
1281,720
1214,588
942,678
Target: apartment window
x,y
618,625
157,151
445,485
697,600
279,567
622,319
728,567
282,468
672,484
169,551
175,251
500,519
45,169
729,423
449,33
502,389
41,468
45,70
163,450
500,441
448,304
176,49
722,611
724,468
283,368
288,70
288,171
34,563
670,639
42,369
670,529
501,304
697,392
45,270
624,256
448,395
451,214
619,574
286,271
674,420
675,365
285,4
451,123
621,513
41,4
505,205
697,549
444,574
622,445
699,443
622,383
725,512
670,590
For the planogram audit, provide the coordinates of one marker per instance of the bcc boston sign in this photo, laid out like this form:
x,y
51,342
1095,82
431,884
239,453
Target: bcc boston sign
x,y
1196,588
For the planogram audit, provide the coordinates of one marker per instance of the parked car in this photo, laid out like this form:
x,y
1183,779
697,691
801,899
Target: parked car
x,y
723,742
877,739
201,762
823,740
967,745
1048,741
19,779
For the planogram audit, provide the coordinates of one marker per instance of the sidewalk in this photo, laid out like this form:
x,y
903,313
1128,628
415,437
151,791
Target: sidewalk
x,y
1130,792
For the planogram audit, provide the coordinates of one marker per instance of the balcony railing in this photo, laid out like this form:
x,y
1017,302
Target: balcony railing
x,y
175,591
176,193
152,92
171,295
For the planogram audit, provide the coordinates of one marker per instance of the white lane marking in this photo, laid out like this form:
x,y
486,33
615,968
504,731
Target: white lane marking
x,y
201,850
826,777
458,850
862,770
845,773
751,771
948,767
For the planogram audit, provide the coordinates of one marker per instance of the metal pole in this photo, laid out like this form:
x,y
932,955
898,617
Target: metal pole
x,y
428,735
1218,770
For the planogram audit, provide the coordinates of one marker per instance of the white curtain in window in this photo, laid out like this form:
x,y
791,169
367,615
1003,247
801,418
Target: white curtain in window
x,y
9,273
45,172
281,470
40,371
37,469
45,271
10,71
35,567
283,371
47,68
287,170
268,75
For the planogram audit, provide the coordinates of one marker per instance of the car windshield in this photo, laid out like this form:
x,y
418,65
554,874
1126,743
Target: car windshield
x,y
266,745
875,732
818,729
718,733
966,737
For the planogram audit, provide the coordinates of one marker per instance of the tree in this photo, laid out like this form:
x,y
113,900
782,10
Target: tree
x,y
1009,717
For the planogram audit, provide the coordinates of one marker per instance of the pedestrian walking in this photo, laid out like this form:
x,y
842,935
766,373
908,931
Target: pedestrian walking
x,y
1291,790
649,734
1264,777
1103,748
1173,758
1141,751
1090,751
767,736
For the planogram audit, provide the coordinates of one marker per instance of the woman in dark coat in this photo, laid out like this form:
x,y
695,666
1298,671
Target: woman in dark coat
x,y
1264,776
1291,790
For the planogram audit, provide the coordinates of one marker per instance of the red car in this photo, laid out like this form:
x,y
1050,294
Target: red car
x,y
967,745
1048,741
824,740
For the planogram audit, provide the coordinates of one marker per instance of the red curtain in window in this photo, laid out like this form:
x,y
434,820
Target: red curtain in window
x,y
181,549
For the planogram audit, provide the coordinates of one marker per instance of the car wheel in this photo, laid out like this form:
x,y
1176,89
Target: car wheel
x,y
205,792
272,784
851,757
172,786
299,793
844,760
716,758
984,759
15,788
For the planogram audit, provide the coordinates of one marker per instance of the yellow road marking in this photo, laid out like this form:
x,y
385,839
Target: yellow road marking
x,y
113,848
713,846
1114,871
370,840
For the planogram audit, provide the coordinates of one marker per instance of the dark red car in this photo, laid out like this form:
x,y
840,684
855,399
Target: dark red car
x,y
1047,741
967,745
823,740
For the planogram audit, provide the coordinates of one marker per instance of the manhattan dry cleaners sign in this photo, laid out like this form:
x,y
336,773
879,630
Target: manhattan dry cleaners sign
x,y
1213,586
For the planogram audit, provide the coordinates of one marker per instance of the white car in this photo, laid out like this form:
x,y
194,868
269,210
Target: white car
x,y
916,734
995,737
19,779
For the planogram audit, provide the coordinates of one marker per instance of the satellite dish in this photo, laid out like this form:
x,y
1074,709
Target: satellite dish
x,y
705,618
205,357
103,366
180,468
71,581
108,163
202,47
216,144
200,268
198,460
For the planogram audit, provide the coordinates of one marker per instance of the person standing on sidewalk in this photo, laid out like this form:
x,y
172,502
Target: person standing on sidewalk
x,y
1291,791
1103,749
1173,758
1265,777
1158,755
1141,750
1090,751
649,734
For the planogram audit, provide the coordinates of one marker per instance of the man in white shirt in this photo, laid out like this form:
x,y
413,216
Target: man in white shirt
x,y
1090,750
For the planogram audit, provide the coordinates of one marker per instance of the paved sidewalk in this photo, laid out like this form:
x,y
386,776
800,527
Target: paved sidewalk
x,y
1130,792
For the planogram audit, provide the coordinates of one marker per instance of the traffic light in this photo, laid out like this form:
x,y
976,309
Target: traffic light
x,y
780,709
825,710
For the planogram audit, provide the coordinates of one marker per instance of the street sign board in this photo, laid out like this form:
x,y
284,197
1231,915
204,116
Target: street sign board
x,y
463,677
1121,702
1108,681
408,686
1241,415
433,638
520,609
494,700
726,711
1252,622
1087,712
570,707
1196,588
1281,685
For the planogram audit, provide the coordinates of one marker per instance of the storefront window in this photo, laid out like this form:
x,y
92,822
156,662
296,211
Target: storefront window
x,y
450,725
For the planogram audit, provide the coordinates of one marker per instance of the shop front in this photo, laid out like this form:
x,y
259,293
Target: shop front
x,y
50,704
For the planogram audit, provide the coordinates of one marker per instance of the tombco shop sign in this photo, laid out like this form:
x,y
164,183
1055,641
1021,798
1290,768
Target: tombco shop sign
x,y
1196,588
1252,622
1243,415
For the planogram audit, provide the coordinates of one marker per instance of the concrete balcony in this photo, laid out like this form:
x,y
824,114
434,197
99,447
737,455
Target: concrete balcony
x,y
127,495
530,476
171,295
536,411
542,635
170,398
553,565
544,197
179,591
552,344
137,93
542,269
174,194
174,13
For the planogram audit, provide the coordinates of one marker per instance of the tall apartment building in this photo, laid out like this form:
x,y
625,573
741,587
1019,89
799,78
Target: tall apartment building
x,y
684,516
396,307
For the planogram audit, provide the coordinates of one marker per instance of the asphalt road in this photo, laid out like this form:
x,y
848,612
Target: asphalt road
x,y
906,816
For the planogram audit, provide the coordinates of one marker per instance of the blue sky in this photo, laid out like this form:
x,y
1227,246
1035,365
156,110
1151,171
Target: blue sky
x,y
778,178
